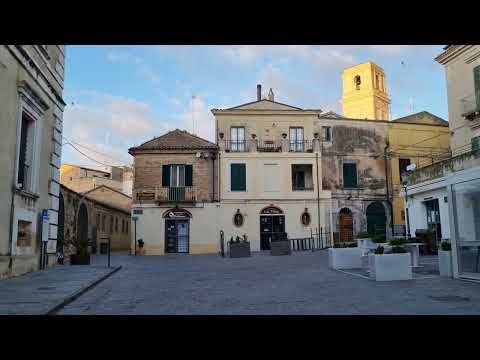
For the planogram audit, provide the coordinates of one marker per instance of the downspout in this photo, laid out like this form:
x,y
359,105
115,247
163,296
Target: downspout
x,y
387,185
318,192
213,177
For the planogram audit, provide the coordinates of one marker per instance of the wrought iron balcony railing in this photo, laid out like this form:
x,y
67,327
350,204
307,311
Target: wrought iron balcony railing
x,y
167,194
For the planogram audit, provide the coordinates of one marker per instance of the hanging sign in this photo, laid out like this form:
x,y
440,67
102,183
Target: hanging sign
x,y
272,210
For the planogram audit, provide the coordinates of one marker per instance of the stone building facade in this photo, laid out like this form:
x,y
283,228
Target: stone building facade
x,y
31,109
83,217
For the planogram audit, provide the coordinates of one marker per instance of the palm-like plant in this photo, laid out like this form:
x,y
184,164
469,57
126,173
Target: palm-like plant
x,y
80,245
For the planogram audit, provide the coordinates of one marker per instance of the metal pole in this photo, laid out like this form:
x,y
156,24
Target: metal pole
x,y
135,237
318,191
109,243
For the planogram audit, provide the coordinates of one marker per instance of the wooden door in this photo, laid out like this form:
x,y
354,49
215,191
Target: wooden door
x,y
346,227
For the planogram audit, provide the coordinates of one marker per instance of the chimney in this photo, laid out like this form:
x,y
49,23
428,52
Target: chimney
x,y
259,92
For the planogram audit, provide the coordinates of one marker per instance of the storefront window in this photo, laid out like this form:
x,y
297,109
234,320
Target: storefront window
x,y
466,198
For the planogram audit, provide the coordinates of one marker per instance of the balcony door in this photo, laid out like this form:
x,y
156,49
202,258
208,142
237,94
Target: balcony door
x,y
237,137
296,139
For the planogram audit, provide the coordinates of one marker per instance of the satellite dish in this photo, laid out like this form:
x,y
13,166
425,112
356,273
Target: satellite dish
x,y
198,154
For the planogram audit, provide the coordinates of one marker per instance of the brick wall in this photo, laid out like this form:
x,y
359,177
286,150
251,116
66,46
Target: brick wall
x,y
148,171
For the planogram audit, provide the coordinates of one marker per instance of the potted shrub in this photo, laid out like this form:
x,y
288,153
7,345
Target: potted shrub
x,y
239,247
81,255
445,259
345,256
389,267
280,245
284,135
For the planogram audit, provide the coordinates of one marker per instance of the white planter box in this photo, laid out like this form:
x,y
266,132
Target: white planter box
x,y
389,267
445,263
345,258
362,242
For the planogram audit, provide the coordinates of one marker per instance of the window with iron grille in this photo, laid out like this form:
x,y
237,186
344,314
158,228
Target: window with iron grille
x,y
237,138
296,139
326,133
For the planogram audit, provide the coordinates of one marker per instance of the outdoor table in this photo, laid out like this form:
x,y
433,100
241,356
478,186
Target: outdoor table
x,y
415,251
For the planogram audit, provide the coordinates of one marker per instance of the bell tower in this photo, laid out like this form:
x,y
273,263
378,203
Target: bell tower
x,y
365,92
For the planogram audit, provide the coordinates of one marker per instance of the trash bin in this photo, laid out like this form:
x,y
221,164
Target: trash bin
x,y
103,248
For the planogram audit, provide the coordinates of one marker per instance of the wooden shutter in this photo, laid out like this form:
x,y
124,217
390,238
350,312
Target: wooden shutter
x,y
237,177
188,175
165,175
349,175
476,78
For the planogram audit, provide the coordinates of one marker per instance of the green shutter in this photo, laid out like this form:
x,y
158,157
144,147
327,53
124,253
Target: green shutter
x,y
349,175
165,175
476,143
188,175
237,177
476,77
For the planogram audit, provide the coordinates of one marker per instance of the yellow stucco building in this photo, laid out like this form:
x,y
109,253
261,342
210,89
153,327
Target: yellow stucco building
x,y
419,139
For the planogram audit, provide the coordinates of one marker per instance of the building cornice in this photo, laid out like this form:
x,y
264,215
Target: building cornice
x,y
451,53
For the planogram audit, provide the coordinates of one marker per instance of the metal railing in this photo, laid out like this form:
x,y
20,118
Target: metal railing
x,y
300,145
167,194
269,146
236,145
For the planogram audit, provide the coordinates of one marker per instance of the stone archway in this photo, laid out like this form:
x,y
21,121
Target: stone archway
x,y
82,223
376,219
61,224
345,222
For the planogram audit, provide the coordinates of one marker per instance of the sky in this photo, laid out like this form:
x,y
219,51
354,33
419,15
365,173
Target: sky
x,y
121,96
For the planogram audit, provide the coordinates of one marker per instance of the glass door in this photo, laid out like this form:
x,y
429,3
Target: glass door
x,y
466,210
296,139
237,137
182,236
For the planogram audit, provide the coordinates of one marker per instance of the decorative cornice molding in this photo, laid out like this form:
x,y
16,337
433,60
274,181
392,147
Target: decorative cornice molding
x,y
451,53
32,98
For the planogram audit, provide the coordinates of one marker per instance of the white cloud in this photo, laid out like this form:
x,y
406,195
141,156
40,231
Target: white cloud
x,y
142,67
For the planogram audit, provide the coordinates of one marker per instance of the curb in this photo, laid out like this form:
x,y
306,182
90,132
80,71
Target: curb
x,y
53,310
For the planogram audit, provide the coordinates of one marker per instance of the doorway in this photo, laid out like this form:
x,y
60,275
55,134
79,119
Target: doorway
x,y
270,224
177,236
433,219
376,219
345,220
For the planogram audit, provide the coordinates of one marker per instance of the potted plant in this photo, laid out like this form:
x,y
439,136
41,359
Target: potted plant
x,y
445,259
284,135
254,136
220,135
239,248
315,135
280,244
389,267
345,256
81,256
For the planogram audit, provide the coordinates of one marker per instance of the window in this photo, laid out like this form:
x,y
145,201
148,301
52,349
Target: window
x,y
177,175
296,139
25,156
476,78
116,225
302,177
126,226
238,177
98,220
377,82
357,81
123,226
104,220
237,137
111,224
349,175
326,133
402,167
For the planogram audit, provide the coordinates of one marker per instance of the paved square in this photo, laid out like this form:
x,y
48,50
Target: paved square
x,y
264,284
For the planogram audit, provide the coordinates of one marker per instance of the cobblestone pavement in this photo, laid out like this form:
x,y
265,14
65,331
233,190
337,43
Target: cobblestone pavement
x,y
264,284
38,292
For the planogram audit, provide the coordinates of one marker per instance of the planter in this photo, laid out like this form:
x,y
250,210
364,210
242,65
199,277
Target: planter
x,y
390,267
445,263
345,258
79,259
281,247
238,250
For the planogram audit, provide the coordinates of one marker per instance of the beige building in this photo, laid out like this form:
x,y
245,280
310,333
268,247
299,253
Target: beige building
x,y
31,111
86,178
270,171
445,197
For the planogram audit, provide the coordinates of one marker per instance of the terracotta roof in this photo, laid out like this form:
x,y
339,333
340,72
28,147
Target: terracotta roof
x,y
176,140
423,118
106,187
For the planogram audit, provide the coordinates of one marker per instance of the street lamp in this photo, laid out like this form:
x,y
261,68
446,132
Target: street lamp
x,y
404,186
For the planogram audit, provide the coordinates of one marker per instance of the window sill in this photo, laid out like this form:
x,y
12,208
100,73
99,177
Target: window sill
x,y
26,193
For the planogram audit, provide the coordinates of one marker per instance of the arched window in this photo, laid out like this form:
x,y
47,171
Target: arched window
x,y
357,81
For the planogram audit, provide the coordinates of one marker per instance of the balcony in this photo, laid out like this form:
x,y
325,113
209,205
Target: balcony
x,y
160,194
256,145
470,107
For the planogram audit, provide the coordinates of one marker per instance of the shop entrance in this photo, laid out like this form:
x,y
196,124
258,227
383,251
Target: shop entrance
x,y
177,231
272,221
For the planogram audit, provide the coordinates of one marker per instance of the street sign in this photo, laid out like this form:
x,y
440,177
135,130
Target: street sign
x,y
45,225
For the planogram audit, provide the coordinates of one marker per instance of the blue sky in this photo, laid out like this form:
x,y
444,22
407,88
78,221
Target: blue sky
x,y
121,96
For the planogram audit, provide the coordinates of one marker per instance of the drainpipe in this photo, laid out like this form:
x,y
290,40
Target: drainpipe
x,y
318,192
213,177
387,185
